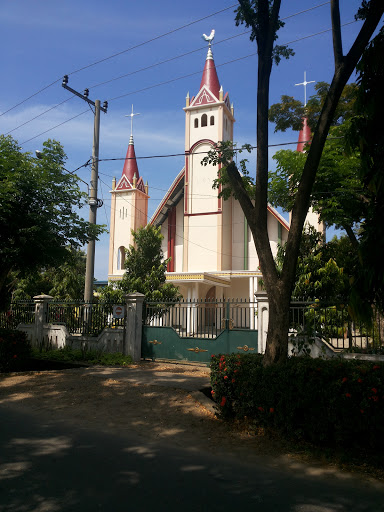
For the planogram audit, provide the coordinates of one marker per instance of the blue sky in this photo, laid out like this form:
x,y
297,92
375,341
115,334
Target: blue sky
x,y
44,40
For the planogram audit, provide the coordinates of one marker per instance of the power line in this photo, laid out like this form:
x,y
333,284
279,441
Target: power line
x,y
50,129
217,66
115,55
171,59
154,65
39,115
186,76
180,236
203,152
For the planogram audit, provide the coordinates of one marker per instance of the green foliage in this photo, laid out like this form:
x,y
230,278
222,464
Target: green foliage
x,y
222,154
289,112
324,270
145,269
38,213
15,349
64,282
328,402
338,194
257,15
69,355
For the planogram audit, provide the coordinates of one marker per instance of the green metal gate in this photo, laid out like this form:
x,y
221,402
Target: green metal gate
x,y
195,330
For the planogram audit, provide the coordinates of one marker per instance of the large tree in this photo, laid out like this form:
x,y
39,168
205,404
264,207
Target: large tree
x,y
349,191
262,16
145,269
39,202
65,281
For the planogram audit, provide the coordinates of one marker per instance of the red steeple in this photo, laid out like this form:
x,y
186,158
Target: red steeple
x,y
210,78
130,168
304,136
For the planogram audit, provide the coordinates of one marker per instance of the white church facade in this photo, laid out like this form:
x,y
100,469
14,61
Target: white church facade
x,y
212,251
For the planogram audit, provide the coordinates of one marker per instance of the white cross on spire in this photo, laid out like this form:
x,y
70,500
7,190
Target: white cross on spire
x,y
131,115
305,83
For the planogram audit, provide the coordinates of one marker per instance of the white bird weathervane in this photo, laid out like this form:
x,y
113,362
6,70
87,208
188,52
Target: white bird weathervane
x,y
209,38
305,83
131,115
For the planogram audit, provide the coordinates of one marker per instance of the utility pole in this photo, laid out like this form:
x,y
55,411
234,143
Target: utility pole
x,y
93,201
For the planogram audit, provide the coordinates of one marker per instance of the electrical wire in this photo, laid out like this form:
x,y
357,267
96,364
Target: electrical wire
x,y
171,59
115,55
186,239
149,67
45,112
185,76
50,129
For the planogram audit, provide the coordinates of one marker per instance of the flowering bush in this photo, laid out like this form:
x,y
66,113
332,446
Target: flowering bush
x,y
325,401
14,349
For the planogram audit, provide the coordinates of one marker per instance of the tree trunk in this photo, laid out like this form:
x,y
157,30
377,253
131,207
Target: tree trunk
x,y
4,271
264,23
278,326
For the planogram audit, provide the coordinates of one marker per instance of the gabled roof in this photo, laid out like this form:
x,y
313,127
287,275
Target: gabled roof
x,y
176,192
171,198
125,184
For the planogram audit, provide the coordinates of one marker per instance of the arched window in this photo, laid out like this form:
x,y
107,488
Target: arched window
x,y
212,120
196,123
121,258
204,120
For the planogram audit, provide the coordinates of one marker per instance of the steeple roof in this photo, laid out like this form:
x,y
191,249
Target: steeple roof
x,y
130,168
304,136
210,78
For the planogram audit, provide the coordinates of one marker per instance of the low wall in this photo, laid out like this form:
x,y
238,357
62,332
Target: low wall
x,y
57,336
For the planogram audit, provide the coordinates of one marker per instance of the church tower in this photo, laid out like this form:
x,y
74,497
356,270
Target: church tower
x,y
129,210
305,136
208,119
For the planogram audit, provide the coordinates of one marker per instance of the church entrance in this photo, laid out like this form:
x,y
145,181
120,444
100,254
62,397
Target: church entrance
x,y
195,330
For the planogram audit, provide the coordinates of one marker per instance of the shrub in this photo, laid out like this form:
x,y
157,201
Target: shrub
x,y
15,349
324,401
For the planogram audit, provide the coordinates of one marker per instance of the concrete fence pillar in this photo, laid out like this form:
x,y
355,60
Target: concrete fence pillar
x,y
41,315
262,320
134,325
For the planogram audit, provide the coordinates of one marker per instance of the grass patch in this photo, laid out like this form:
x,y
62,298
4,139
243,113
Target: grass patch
x,y
69,355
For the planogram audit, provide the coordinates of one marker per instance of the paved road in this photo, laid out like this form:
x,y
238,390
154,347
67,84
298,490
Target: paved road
x,y
46,467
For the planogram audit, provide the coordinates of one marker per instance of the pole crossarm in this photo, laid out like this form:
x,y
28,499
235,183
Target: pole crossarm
x,y
84,97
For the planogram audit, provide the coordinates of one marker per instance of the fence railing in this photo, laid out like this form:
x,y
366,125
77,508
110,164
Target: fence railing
x,y
78,317
83,318
201,318
18,312
332,323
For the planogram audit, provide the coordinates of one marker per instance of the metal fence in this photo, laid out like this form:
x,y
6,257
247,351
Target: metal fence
x,y
21,312
201,318
332,323
83,318
78,317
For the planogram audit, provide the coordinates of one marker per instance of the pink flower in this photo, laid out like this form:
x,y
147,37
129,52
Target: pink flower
x,y
223,401
348,395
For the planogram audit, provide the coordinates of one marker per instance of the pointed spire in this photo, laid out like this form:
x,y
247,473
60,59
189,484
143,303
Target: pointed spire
x,y
130,165
304,136
210,78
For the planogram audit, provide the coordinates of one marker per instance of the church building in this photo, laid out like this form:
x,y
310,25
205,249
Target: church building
x,y
212,251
